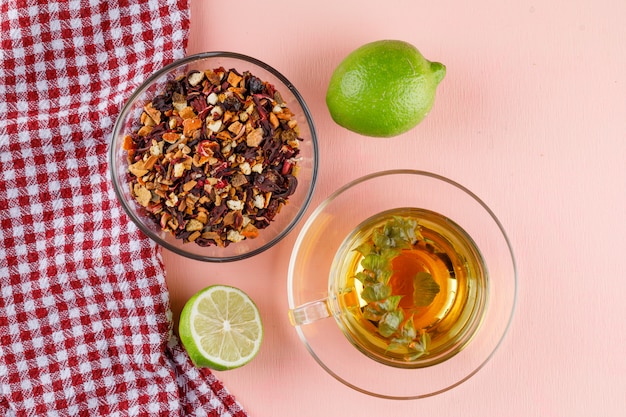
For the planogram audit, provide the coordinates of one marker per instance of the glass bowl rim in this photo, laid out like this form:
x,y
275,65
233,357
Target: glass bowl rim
x,y
117,127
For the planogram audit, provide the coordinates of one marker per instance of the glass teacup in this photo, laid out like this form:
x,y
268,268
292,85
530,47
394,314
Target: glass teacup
x,y
425,304
416,272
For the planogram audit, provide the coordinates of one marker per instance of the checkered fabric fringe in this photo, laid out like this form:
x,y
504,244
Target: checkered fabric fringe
x,y
85,325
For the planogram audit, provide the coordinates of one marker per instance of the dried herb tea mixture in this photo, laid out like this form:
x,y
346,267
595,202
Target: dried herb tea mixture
x,y
215,158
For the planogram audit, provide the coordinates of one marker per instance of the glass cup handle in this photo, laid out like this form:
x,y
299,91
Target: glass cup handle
x,y
309,312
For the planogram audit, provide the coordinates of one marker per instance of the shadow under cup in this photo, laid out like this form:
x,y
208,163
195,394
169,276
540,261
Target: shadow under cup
x,y
323,262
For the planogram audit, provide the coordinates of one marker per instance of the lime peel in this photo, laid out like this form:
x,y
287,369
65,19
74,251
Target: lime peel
x,y
383,88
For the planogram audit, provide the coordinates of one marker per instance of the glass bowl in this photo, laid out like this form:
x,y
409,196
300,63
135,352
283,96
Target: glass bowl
x,y
307,160
314,260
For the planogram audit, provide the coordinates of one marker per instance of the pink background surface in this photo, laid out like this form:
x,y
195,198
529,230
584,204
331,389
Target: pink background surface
x,y
531,117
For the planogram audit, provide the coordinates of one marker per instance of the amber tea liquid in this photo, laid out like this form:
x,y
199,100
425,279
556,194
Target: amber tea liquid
x,y
449,255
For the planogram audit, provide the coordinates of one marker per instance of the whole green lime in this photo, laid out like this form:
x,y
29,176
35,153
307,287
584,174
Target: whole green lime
x,y
383,88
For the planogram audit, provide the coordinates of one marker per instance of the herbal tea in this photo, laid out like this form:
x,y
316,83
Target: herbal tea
x,y
410,287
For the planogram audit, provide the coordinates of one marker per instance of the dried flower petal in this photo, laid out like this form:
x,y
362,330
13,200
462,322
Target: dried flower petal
x,y
214,157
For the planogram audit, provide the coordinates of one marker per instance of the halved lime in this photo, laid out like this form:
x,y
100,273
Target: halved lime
x,y
220,327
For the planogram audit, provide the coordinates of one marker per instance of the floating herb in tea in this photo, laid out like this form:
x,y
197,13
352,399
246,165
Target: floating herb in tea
x,y
394,285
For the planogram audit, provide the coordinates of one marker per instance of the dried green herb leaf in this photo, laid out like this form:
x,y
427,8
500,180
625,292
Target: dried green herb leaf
x,y
390,303
397,233
390,323
381,240
365,277
376,292
408,330
374,262
395,345
384,276
386,243
365,249
372,312
416,352
378,262
425,289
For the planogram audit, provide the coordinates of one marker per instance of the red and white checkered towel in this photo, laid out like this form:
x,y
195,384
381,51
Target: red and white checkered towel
x,y
85,325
